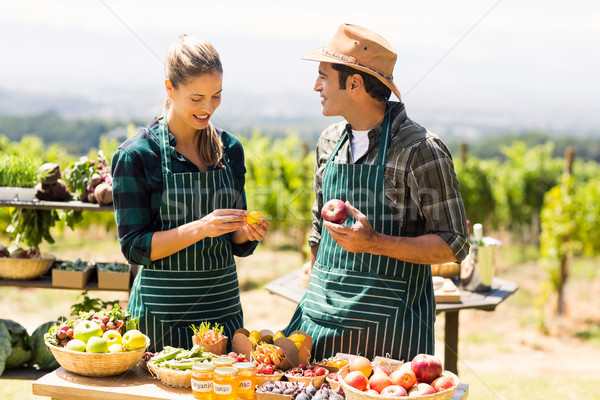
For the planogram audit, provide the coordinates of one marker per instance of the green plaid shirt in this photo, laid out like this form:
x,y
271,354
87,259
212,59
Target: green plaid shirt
x,y
138,187
420,183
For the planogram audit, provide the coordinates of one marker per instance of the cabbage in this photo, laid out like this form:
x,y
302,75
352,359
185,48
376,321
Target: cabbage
x,y
5,347
41,354
19,342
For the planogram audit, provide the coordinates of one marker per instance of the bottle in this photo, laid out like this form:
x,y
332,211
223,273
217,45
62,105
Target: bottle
x,y
225,383
246,380
202,381
478,235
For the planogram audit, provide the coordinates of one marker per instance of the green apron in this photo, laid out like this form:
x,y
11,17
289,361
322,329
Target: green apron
x,y
198,283
363,303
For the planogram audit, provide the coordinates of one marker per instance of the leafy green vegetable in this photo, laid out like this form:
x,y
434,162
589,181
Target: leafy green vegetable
x,y
19,171
5,346
75,265
41,354
19,341
31,226
112,267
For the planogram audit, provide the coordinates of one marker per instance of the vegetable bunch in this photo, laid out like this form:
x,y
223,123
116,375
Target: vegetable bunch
x,y
205,334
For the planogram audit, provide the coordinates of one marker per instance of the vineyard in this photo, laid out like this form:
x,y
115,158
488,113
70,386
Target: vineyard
x,y
549,202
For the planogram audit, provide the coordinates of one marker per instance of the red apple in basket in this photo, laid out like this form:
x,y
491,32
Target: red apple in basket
x,y
357,380
421,389
361,364
404,377
442,383
381,368
334,211
394,391
426,367
379,381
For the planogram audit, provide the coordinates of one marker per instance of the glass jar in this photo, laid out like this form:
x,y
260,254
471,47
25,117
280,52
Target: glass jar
x,y
202,381
223,361
246,380
225,384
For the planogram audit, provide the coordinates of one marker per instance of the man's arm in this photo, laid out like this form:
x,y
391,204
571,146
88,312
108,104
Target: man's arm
x,y
362,238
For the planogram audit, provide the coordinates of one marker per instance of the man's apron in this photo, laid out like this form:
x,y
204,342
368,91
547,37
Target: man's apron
x,y
363,303
198,283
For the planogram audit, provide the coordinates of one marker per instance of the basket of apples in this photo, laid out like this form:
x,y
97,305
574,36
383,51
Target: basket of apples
x,y
422,377
104,343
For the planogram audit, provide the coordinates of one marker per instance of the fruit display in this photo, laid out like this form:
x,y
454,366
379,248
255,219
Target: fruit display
x,y
307,374
335,211
424,375
334,363
112,331
280,387
325,392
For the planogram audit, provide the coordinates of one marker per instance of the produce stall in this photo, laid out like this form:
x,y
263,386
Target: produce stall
x,y
135,384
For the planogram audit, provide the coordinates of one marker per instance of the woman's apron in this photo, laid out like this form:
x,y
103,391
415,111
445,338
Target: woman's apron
x,y
363,303
198,283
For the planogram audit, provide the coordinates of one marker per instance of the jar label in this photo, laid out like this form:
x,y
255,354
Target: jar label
x,y
222,389
246,385
202,386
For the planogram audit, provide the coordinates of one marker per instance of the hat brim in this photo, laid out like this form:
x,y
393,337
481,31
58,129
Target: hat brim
x,y
321,56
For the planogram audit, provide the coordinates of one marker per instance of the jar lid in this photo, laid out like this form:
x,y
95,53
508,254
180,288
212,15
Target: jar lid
x,y
245,366
226,371
203,367
223,361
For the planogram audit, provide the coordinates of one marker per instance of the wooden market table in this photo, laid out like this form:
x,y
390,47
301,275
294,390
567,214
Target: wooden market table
x,y
135,384
289,286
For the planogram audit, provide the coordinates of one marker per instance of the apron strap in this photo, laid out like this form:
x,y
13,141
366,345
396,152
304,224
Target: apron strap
x,y
384,141
165,157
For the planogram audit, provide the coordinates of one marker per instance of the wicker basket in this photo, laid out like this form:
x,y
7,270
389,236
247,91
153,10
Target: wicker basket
x,y
178,378
317,381
264,378
333,383
355,394
25,268
97,364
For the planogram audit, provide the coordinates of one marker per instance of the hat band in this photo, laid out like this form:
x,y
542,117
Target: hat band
x,y
353,60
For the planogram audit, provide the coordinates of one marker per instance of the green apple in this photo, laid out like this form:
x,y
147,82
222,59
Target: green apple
x,y
112,336
75,345
133,340
84,330
97,345
116,348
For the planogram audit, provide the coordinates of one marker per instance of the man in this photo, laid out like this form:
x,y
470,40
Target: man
x,y
370,290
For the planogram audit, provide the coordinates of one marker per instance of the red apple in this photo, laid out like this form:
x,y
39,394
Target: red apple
x,y
404,377
334,211
361,364
381,368
426,367
379,381
442,383
394,391
357,380
421,389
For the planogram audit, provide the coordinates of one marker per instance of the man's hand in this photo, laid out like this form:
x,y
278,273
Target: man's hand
x,y
358,238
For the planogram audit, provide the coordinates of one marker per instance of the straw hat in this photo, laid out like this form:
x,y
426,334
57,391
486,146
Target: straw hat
x,y
360,48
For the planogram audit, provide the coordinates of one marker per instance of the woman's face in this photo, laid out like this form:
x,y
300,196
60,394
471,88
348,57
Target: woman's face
x,y
196,101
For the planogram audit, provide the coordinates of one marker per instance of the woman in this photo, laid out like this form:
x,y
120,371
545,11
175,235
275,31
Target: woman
x,y
180,206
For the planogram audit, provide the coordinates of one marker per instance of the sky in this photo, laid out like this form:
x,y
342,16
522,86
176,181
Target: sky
x,y
505,60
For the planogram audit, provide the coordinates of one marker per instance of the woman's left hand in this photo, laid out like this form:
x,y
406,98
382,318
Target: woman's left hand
x,y
258,230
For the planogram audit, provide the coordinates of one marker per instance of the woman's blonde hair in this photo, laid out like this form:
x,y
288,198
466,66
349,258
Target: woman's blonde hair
x,y
188,58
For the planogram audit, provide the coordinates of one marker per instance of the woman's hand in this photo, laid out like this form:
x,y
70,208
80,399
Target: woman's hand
x,y
258,230
222,221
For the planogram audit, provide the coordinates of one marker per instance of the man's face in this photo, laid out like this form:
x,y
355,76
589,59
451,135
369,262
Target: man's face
x,y
335,100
